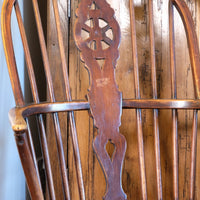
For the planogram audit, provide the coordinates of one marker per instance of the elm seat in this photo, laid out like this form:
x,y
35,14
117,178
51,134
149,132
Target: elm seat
x,y
104,99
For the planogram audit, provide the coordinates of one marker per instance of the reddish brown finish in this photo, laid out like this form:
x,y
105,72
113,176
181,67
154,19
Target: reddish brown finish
x,y
105,101
104,98
18,114
23,148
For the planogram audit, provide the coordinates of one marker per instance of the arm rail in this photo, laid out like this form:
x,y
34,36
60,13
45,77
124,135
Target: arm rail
x,y
17,114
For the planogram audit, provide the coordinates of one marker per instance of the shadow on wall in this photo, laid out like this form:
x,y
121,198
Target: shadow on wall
x,y
12,183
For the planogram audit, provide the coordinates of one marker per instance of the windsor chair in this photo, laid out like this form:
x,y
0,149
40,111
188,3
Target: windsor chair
x,y
104,99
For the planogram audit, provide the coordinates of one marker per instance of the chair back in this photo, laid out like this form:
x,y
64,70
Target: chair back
x,y
97,36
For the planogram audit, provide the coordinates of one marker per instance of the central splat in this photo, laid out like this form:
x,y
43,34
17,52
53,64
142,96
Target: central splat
x,y
97,35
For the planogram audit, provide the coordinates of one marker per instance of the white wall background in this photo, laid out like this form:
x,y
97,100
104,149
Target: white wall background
x,y
12,183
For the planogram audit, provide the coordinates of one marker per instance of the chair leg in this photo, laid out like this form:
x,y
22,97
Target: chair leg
x,y
28,166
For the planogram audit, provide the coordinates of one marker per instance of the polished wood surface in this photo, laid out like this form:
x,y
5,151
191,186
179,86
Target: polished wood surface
x,y
18,114
80,165
103,88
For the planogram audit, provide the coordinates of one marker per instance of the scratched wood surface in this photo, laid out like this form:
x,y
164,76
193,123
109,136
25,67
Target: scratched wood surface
x,y
92,173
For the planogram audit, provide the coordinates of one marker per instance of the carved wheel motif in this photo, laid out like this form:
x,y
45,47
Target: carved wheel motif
x,y
96,30
97,35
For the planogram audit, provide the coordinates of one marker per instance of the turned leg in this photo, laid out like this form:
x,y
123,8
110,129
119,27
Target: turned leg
x,y
28,166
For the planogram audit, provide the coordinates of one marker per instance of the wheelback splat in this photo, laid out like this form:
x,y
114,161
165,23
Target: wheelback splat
x,y
97,35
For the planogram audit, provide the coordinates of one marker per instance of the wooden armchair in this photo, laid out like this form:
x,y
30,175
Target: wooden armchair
x,y
104,99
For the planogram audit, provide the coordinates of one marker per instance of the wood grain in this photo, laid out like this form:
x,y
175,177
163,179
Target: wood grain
x,y
124,73
106,112
155,58
57,78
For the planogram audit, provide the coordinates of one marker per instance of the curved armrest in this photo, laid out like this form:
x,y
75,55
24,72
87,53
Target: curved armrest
x,y
17,120
18,114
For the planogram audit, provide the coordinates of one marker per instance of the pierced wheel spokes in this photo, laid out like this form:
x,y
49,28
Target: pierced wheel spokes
x,y
104,45
107,40
105,28
91,28
87,28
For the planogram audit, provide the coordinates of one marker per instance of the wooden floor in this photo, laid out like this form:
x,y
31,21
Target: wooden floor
x,y
92,174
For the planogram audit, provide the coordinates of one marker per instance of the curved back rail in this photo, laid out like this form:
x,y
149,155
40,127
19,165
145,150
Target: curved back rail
x,y
22,111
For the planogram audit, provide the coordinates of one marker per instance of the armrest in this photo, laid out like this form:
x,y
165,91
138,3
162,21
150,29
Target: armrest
x,y
17,120
18,114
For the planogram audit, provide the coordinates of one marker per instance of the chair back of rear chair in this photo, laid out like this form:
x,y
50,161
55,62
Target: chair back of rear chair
x,y
99,52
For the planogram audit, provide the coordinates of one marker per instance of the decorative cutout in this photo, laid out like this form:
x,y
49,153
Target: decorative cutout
x,y
98,37
93,6
89,23
101,63
100,52
109,34
102,23
110,148
84,34
104,45
93,45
